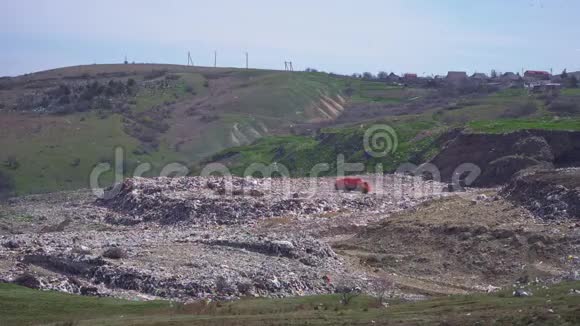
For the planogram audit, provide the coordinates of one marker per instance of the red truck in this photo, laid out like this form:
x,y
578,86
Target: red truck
x,y
350,184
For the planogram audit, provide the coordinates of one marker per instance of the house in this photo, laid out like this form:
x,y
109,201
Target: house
x,y
510,76
456,76
410,76
393,77
479,76
537,75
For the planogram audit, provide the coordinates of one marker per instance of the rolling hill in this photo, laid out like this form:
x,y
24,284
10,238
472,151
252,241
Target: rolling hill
x,y
57,125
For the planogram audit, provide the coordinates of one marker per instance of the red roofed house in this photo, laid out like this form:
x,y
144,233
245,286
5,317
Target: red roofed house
x,y
409,76
537,75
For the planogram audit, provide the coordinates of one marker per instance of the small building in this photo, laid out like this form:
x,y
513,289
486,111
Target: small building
x,y
456,76
544,87
509,76
479,76
393,77
537,75
410,76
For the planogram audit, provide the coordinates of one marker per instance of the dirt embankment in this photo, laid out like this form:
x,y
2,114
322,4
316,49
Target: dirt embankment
x,y
548,193
500,156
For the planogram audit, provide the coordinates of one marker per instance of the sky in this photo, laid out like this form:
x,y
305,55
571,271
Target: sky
x,y
421,36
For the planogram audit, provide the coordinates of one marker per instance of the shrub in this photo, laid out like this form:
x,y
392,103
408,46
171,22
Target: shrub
x,y
155,74
520,110
347,293
115,253
27,280
172,77
564,107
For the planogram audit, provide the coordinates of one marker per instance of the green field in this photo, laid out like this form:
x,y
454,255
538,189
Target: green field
x,y
553,305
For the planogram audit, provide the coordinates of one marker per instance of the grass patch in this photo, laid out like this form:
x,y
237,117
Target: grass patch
x,y
510,125
299,154
22,306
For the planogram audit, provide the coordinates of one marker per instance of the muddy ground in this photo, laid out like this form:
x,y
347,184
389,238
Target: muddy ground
x,y
212,238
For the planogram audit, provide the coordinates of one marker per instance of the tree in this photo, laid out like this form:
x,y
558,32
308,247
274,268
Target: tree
x,y
383,289
382,75
347,293
367,75
493,73
310,70
564,74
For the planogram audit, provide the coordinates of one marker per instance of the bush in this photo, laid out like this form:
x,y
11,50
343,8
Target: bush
x,y
520,110
155,74
115,253
347,293
27,280
172,77
564,107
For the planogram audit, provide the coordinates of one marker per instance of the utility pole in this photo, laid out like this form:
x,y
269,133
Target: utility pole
x,y
246,60
189,59
214,59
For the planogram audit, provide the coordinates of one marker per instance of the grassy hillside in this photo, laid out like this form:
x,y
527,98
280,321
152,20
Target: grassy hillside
x,y
56,125
417,125
299,154
553,305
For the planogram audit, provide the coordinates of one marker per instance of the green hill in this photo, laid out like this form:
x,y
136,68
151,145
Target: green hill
x,y
56,125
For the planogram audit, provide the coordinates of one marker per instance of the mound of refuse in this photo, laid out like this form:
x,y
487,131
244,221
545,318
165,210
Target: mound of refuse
x,y
224,201
178,264
549,194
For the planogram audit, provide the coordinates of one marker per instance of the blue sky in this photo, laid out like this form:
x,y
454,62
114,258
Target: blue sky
x,y
419,36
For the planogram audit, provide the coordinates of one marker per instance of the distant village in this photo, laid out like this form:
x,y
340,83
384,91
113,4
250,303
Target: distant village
x,y
535,81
